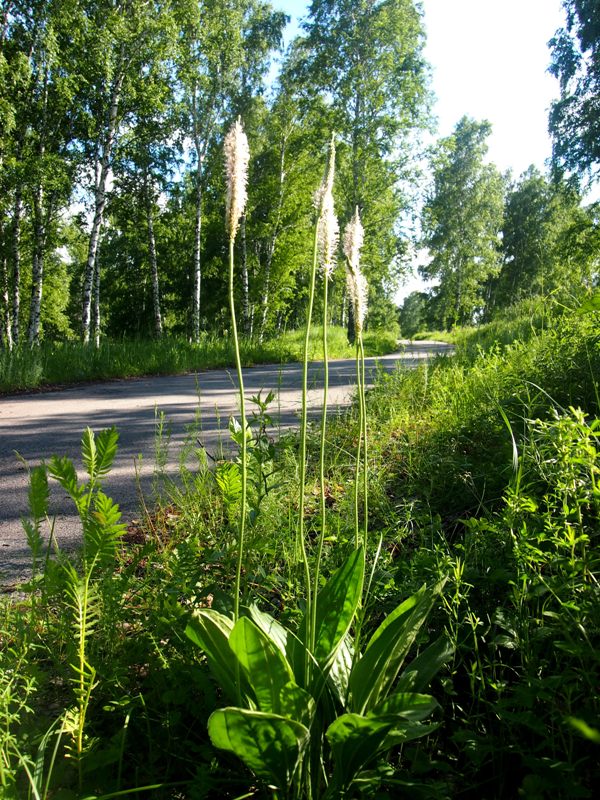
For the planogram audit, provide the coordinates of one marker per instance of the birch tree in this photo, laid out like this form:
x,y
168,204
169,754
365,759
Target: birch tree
x,y
461,220
365,59
123,38
224,54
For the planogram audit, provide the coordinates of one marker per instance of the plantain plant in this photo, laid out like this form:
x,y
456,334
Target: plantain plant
x,y
312,709
315,737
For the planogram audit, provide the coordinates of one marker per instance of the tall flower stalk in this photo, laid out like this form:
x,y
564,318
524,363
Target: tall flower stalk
x,y
358,292
327,245
237,156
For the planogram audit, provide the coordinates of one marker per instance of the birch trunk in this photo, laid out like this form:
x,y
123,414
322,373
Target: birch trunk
x,y
200,137
96,293
6,339
197,264
264,302
37,271
100,199
154,269
16,265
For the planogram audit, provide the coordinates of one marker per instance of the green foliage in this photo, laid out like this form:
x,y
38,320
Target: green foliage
x,y
507,514
461,221
573,121
279,734
52,364
543,244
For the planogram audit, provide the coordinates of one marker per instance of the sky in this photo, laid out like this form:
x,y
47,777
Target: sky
x,y
489,60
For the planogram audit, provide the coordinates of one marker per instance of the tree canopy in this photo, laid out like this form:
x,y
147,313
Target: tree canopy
x,y
575,116
462,219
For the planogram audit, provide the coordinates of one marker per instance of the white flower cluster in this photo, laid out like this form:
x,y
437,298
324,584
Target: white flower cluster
x,y
237,158
328,230
358,288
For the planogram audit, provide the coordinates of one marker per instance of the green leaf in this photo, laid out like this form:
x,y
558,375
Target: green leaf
x,y
297,704
210,631
407,705
421,670
355,740
341,668
229,480
235,432
88,452
106,449
61,469
102,528
34,538
269,625
374,673
590,305
406,731
336,606
264,665
38,492
270,745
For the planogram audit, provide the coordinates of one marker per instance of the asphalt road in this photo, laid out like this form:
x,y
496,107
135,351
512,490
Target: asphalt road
x,y
196,407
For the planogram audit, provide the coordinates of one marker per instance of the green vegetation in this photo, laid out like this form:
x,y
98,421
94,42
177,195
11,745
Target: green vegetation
x,y
71,362
398,602
482,473
112,117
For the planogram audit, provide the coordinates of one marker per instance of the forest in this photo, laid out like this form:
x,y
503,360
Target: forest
x,y
112,119
398,601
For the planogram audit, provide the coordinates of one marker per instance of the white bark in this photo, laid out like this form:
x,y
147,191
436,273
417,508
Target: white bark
x,y
96,322
273,242
16,265
6,339
100,197
153,268
37,270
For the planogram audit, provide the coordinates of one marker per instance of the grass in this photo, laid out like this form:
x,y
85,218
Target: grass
x,y
71,362
478,472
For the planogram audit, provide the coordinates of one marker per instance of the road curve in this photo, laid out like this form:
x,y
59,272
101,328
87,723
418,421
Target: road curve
x,y
37,426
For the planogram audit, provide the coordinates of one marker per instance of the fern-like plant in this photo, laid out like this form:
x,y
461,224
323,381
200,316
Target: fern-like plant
x,y
101,529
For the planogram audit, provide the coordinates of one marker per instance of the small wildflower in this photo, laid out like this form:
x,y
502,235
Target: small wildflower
x,y
237,157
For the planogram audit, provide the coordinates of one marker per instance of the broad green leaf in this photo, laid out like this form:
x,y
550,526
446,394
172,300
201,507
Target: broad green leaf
x,y
341,668
265,666
296,703
106,449
373,675
269,625
407,705
38,492
421,670
210,631
235,432
406,731
270,745
355,741
336,606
